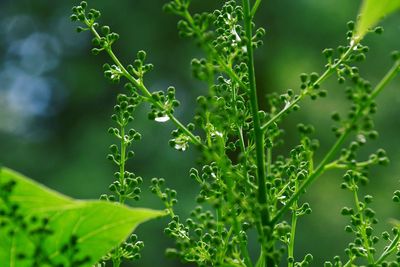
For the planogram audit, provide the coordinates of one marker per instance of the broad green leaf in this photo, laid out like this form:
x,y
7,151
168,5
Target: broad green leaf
x,y
371,12
98,226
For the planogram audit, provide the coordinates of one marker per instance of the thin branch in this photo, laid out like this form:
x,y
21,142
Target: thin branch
x,y
144,90
255,8
338,144
328,72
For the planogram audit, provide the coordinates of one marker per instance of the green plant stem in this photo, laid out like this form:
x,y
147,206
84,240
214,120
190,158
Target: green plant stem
x,y
138,84
328,72
255,8
269,160
116,262
259,136
390,75
349,262
389,250
292,235
236,226
116,259
318,172
258,133
339,142
336,165
122,161
364,236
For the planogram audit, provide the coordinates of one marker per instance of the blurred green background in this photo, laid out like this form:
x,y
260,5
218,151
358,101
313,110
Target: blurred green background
x,y
55,105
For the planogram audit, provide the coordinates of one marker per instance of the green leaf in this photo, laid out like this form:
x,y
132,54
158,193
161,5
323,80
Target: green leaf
x,y
96,226
371,12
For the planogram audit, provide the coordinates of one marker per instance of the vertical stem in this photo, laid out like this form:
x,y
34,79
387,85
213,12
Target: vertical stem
x,y
116,262
122,161
258,133
364,236
292,236
236,225
121,199
293,231
269,159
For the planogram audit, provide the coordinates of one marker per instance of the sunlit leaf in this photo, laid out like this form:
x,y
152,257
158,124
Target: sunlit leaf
x,y
95,226
371,12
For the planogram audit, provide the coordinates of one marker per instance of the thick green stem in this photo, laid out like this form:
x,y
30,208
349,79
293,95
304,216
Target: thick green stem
x,y
338,144
258,133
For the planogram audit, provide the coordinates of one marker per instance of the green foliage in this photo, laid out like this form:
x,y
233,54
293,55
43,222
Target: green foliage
x,y
249,180
40,227
371,12
246,182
